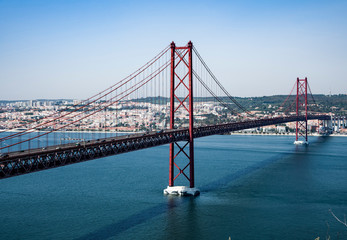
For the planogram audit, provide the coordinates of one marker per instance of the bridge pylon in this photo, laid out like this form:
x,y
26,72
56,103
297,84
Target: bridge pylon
x,y
301,110
181,92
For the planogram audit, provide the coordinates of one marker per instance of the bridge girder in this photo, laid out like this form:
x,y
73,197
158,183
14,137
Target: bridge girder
x,y
18,163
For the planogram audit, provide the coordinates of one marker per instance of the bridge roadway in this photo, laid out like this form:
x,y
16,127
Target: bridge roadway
x,y
27,161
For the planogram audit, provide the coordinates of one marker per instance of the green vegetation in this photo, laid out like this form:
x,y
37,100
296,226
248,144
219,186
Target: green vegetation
x,y
324,103
335,103
319,103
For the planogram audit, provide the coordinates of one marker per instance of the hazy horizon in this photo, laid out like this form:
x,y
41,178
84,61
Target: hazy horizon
x,y
57,99
64,49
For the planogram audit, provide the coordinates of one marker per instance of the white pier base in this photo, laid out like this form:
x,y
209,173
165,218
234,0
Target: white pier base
x,y
301,143
182,191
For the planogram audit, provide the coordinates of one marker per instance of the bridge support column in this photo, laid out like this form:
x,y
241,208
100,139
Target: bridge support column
x,y
333,123
330,124
301,110
338,124
183,72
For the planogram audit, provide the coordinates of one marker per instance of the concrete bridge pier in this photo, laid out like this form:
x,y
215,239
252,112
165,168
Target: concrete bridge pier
x,y
330,123
338,122
335,125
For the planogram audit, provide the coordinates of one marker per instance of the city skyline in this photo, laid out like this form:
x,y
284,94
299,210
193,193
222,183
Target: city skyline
x,y
72,50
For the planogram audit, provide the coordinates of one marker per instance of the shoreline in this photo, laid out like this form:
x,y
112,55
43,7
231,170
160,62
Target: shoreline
x,y
8,131
230,133
287,134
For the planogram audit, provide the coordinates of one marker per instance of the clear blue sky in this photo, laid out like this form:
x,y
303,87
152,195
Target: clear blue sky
x,y
72,49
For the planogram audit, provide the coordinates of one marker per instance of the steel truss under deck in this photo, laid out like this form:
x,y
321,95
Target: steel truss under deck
x,y
22,162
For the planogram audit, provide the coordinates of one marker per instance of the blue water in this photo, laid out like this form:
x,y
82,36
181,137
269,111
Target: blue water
x,y
253,187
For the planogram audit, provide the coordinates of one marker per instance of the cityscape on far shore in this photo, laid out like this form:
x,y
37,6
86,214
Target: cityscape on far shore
x,y
154,113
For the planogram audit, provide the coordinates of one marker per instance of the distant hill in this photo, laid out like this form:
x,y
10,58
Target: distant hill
x,y
320,103
41,100
323,103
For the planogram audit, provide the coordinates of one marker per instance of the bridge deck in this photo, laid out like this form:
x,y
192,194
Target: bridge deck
x,y
22,162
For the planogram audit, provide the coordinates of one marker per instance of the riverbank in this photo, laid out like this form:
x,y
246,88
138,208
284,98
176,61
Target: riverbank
x,y
108,132
230,133
287,134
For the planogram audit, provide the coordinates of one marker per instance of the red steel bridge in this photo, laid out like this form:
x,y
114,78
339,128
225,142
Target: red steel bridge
x,y
172,99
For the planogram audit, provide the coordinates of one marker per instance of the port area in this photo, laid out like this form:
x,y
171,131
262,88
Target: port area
x,y
181,191
300,142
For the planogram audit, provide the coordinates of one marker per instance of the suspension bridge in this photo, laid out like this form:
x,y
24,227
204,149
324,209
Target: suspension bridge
x,y
172,99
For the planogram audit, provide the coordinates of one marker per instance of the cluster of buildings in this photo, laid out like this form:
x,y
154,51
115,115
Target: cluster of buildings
x,y
30,103
72,115
127,116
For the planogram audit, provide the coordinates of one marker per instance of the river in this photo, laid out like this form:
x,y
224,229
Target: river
x,y
252,187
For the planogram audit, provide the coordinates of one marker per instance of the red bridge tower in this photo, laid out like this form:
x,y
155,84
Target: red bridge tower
x,y
301,110
181,92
